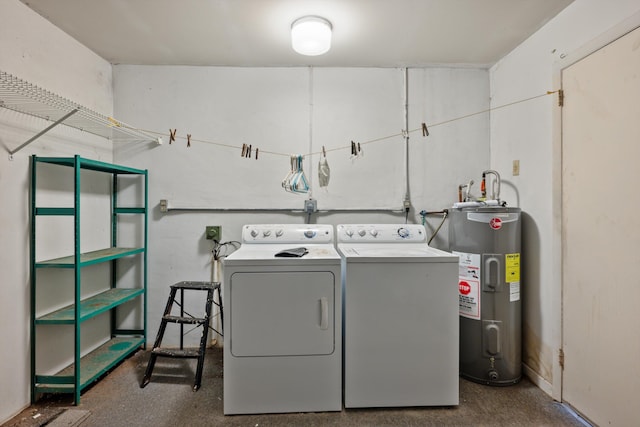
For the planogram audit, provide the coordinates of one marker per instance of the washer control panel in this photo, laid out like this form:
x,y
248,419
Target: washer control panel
x,y
287,233
381,233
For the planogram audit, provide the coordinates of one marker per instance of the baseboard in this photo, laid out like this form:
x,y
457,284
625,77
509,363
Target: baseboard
x,y
535,378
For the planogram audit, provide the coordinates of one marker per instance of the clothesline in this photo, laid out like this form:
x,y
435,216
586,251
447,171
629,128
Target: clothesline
x,y
423,128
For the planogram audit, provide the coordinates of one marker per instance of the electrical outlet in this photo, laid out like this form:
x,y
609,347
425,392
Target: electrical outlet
x,y
516,167
213,232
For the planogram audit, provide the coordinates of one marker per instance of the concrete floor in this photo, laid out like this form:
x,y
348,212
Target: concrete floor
x,y
168,400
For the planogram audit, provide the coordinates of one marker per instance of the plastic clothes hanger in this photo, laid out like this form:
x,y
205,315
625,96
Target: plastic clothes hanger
x,y
300,183
286,182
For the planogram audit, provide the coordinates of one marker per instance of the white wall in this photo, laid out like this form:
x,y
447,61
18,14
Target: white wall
x,y
526,132
291,110
35,51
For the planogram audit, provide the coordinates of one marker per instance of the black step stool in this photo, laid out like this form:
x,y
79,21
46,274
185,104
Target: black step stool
x,y
182,319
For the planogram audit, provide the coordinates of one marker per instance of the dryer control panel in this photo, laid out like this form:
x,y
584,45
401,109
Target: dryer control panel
x,y
381,233
287,233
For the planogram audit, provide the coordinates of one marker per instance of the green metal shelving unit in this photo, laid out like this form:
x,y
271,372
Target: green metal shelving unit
x,y
123,342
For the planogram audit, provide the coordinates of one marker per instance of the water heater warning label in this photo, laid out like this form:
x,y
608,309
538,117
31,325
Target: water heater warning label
x,y
514,291
469,285
512,275
512,264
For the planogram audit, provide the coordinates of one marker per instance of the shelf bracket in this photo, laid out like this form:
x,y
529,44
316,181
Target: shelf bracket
x,y
42,132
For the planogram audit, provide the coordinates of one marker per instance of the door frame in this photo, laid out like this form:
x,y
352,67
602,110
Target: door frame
x,y
609,36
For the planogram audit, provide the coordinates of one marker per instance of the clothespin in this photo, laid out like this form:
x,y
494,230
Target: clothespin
x,y
425,131
172,135
246,151
356,150
324,153
188,140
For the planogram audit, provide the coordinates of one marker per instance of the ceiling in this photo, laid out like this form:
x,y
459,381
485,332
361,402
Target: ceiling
x,y
255,33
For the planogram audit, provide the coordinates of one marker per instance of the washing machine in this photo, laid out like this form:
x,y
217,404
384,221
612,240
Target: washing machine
x,y
401,333
283,321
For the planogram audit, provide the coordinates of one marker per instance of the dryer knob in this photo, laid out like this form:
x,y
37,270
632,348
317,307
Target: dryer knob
x,y
310,233
254,233
362,232
348,232
266,233
403,232
373,232
279,232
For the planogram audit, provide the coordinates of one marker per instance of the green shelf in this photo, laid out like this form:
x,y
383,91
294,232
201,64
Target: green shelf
x,y
72,211
55,211
93,366
122,342
130,210
89,258
90,307
89,164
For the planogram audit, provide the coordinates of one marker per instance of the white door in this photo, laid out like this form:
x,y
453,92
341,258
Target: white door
x,y
601,233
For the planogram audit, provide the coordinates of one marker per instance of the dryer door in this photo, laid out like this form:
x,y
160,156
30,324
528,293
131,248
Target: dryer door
x,y
282,313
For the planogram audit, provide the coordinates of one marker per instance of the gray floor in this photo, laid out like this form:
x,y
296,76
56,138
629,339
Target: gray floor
x,y
117,400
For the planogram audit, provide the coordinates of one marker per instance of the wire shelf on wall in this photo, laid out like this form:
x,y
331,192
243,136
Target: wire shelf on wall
x,y
24,97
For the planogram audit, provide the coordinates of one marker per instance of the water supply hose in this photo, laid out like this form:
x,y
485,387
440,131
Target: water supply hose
x,y
435,233
423,214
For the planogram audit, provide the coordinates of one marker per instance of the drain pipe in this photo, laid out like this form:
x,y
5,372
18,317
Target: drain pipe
x,y
407,197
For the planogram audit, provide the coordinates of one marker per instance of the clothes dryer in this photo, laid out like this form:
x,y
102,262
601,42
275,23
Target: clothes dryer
x,y
282,321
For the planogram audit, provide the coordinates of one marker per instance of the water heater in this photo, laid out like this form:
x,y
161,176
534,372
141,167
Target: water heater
x,y
487,241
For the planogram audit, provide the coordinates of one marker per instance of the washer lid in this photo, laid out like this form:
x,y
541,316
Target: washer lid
x,y
393,252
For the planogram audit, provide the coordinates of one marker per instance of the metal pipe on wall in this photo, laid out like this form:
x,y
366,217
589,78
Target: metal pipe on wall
x,y
165,207
276,210
407,195
311,105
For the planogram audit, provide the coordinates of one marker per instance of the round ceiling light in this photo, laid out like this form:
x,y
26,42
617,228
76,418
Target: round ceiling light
x,y
311,35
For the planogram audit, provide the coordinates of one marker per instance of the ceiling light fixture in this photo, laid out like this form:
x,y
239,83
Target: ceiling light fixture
x,y
311,35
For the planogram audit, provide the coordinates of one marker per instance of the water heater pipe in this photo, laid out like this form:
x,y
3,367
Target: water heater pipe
x,y
495,185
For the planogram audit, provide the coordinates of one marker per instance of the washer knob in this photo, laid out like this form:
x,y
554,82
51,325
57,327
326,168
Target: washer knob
x,y
254,233
362,232
348,232
374,232
266,233
279,232
403,232
310,233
